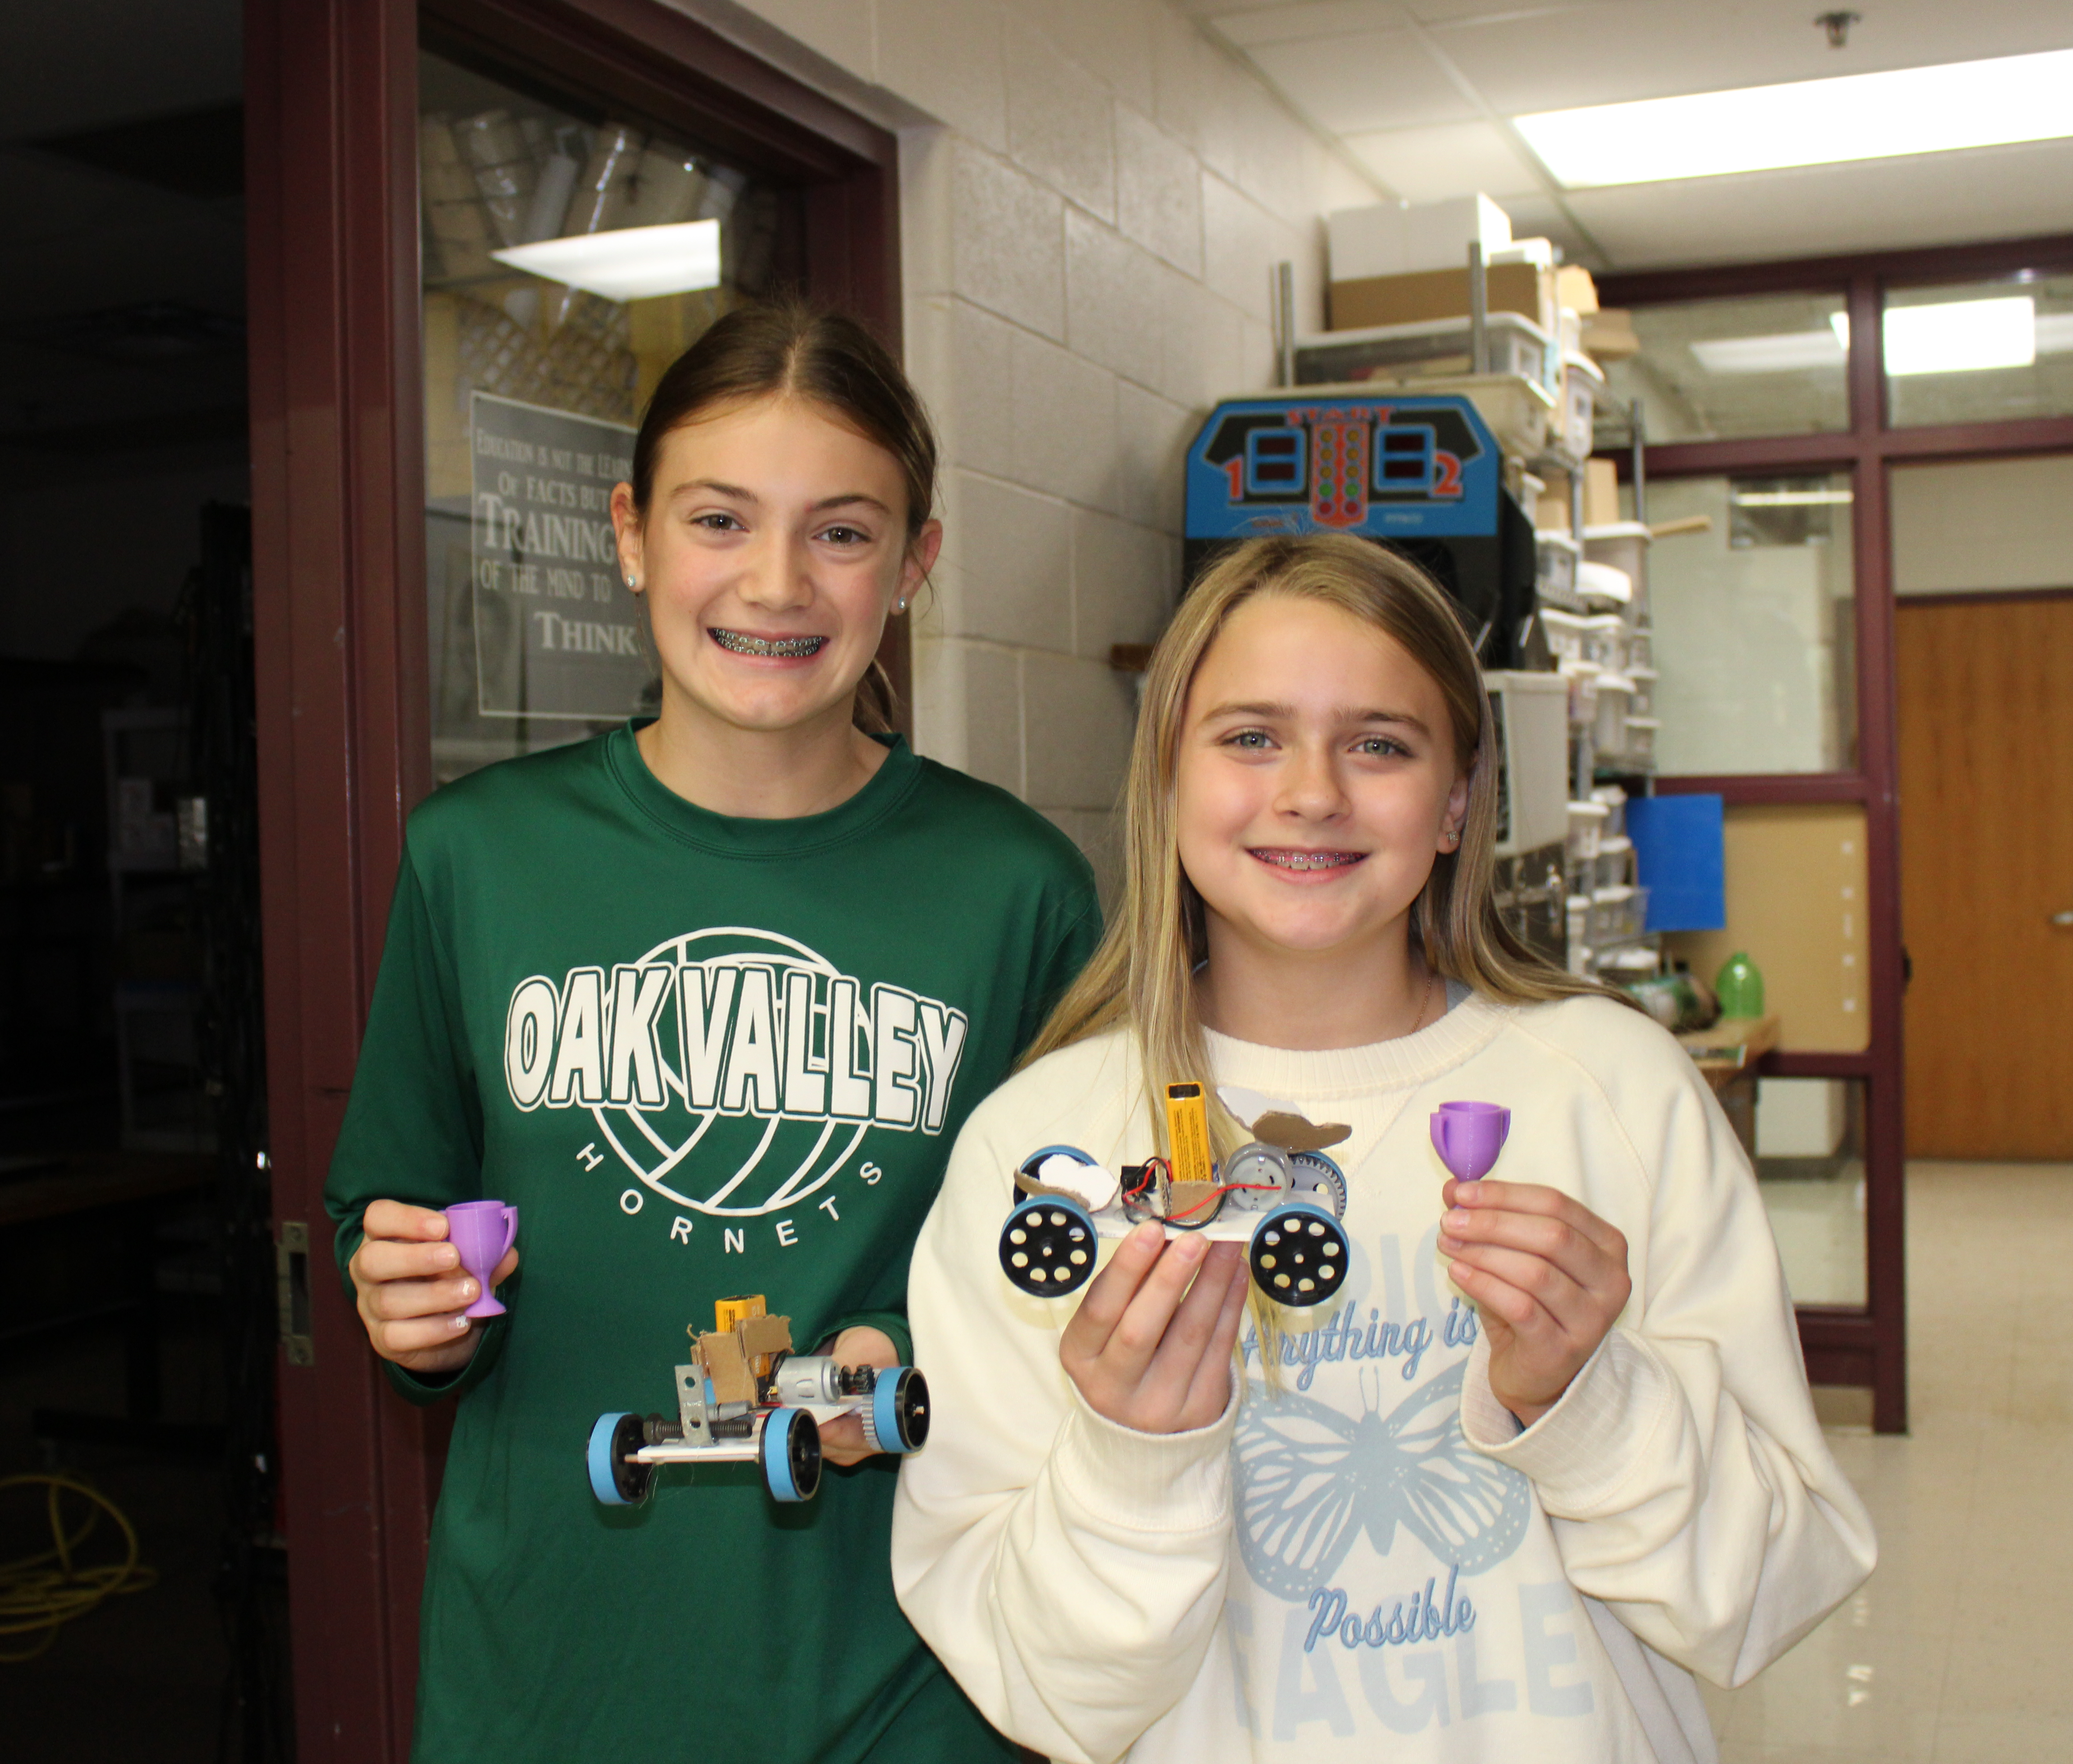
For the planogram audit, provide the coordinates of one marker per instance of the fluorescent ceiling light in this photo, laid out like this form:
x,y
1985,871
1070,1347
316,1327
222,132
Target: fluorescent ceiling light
x,y
1860,116
1788,499
1792,352
1952,337
635,263
1955,336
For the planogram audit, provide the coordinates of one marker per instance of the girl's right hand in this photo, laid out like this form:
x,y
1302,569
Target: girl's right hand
x,y
1149,1350
412,1289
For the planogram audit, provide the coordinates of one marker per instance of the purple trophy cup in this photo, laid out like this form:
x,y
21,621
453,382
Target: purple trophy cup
x,y
1469,1136
482,1231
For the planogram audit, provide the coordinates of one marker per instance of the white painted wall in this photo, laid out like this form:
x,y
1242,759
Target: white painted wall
x,y
1986,526
1094,194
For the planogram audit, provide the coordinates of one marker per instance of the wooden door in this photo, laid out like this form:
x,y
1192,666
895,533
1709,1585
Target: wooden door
x,y
339,638
1986,797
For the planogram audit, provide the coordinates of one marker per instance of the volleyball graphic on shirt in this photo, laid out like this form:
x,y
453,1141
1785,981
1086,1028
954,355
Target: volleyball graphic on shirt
x,y
732,1070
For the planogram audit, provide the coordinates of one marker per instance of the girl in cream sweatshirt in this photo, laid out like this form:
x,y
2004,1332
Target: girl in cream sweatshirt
x,y
1547,1452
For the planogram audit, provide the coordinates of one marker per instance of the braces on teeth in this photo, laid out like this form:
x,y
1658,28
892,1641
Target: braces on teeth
x,y
743,644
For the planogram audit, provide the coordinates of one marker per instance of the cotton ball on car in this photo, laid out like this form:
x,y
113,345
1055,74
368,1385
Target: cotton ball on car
x,y
1089,1183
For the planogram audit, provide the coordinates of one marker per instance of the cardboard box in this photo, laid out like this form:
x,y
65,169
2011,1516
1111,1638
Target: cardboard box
x,y
1601,502
1539,253
1609,335
1397,238
1575,289
1442,293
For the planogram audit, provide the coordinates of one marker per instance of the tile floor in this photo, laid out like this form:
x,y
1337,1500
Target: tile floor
x,y
1961,1646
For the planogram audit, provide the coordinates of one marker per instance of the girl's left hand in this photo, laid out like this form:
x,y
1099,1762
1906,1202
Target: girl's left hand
x,y
842,1439
1547,1276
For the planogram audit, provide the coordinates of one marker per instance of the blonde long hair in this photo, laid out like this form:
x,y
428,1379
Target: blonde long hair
x,y
1142,976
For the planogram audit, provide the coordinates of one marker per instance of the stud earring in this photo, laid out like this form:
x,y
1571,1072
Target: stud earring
x,y
901,605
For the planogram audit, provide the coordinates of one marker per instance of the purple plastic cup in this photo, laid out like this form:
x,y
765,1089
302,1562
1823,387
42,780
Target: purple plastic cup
x,y
482,1231
1469,1136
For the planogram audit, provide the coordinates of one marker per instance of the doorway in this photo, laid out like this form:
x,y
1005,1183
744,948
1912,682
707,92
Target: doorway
x,y
1984,661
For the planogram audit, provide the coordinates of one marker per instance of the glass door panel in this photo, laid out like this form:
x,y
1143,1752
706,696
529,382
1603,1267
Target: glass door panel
x,y
1755,625
569,256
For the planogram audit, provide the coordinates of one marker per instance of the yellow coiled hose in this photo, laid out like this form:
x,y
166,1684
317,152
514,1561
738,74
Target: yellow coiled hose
x,y
39,1592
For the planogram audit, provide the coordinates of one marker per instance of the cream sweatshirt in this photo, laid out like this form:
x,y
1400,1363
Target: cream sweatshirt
x,y
1373,1561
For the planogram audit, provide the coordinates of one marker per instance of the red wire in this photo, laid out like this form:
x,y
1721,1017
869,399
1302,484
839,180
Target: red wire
x,y
1161,1164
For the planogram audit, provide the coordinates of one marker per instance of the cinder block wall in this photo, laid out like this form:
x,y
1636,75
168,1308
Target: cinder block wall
x,y
1093,195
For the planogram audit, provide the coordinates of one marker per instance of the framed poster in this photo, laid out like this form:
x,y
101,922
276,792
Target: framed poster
x,y
557,633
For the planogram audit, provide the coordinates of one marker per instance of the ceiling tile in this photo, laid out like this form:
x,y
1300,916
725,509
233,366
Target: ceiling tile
x,y
1456,11
1875,204
1371,81
1309,18
1610,52
1450,160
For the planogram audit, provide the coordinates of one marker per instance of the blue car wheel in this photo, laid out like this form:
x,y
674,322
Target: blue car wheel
x,y
897,1418
612,1480
791,1453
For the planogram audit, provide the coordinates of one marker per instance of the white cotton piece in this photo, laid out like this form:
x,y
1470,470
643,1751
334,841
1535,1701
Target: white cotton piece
x,y
1089,1183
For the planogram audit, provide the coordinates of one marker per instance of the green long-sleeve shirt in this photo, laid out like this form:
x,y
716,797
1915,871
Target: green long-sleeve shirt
x,y
702,1056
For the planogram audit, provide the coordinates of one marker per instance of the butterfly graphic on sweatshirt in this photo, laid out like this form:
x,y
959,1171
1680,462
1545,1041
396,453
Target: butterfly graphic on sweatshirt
x,y
1309,1479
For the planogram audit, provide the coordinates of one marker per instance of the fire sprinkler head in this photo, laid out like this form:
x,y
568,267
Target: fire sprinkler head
x,y
1837,24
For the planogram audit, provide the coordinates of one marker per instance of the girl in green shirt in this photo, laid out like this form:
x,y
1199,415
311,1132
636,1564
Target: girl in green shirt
x,y
707,998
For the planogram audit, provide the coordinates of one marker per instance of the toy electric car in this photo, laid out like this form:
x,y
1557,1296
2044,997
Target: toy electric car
x,y
747,1398
1280,1196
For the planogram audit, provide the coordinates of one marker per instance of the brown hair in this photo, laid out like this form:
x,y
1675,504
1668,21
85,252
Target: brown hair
x,y
792,348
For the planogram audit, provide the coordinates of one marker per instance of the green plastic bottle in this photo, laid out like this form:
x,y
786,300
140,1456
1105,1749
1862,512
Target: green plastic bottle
x,y
1740,985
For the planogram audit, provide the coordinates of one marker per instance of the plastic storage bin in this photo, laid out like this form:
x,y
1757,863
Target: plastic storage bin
x,y
1622,546
1583,389
1640,645
1644,680
1618,914
1604,636
1641,733
1614,866
1577,919
1583,678
1602,586
1614,799
1556,556
1608,725
1513,345
1587,821
1565,633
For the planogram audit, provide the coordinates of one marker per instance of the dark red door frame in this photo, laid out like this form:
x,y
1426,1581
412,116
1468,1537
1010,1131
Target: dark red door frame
x,y
1846,1346
337,402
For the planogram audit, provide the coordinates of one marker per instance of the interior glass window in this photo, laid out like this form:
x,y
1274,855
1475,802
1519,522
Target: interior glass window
x,y
1980,352
569,256
1763,365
